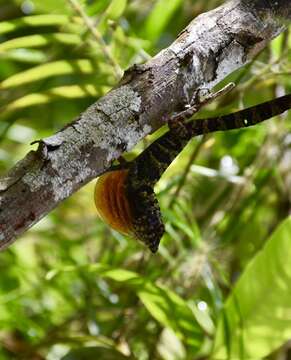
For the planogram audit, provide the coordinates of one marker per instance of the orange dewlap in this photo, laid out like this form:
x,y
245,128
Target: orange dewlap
x,y
111,202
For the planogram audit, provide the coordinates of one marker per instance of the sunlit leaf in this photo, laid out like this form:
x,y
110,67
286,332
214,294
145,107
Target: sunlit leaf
x,y
33,21
164,305
171,311
60,92
55,68
276,45
30,56
97,7
40,40
256,319
56,6
116,9
121,275
20,133
159,17
170,346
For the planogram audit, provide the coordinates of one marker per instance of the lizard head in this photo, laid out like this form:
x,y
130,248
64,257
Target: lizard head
x,y
147,221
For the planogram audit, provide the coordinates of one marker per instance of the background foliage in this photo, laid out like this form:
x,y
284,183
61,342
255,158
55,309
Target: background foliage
x,y
220,285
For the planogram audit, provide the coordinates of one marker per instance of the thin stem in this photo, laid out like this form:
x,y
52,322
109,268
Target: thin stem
x,y
187,170
98,37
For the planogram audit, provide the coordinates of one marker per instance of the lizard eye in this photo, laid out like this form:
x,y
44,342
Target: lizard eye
x,y
111,201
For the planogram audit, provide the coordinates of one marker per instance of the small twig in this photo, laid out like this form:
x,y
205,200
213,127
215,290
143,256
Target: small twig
x,y
98,37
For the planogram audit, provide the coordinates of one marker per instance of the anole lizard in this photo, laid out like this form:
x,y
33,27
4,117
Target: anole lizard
x,y
125,197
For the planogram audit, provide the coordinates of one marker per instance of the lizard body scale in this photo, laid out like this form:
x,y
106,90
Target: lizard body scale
x,y
125,198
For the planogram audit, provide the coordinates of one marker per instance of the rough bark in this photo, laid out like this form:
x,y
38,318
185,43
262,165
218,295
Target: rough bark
x,y
211,47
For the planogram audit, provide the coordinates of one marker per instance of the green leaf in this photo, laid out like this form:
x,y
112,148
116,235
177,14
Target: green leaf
x,y
171,311
97,7
159,17
55,68
39,41
164,305
57,93
33,21
122,275
21,134
30,56
115,9
60,6
256,319
276,46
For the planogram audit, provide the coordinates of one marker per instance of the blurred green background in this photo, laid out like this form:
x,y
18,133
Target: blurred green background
x,y
219,287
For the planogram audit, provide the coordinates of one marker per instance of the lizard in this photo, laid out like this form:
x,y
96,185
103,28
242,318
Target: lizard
x,y
125,197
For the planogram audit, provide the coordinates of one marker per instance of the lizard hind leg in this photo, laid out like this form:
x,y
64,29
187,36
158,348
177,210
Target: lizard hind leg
x,y
147,220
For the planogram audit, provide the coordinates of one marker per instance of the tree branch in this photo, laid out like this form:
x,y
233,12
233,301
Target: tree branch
x,y
211,47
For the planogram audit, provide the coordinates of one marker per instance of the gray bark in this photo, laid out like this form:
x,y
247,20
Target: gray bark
x,y
211,47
